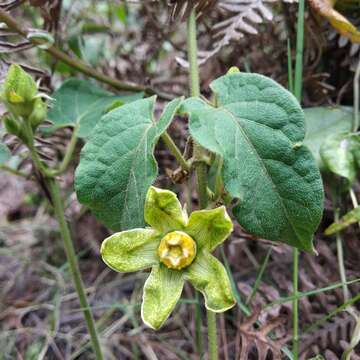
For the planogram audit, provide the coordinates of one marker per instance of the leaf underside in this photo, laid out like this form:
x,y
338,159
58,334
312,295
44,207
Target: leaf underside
x,y
117,164
5,154
79,102
322,122
258,129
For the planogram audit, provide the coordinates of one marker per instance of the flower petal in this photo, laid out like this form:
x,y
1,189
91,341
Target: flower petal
x,y
163,210
131,250
209,228
209,276
162,291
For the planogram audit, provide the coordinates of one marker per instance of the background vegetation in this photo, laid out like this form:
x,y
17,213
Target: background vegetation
x,y
138,48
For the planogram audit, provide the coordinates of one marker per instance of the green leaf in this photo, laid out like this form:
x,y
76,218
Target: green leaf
x,y
209,276
209,227
340,155
322,122
5,154
79,102
163,210
351,217
258,129
117,164
162,291
131,250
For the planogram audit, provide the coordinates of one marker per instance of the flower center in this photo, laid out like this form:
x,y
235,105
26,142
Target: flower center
x,y
177,250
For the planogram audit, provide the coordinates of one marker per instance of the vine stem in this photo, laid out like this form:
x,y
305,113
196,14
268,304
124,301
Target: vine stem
x,y
68,154
73,265
295,348
77,64
356,97
297,93
57,203
200,165
169,142
340,256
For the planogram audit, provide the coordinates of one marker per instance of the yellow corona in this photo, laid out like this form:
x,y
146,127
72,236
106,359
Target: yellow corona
x,y
177,250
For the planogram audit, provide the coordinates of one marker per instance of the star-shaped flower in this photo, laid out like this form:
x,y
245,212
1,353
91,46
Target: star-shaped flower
x,y
177,248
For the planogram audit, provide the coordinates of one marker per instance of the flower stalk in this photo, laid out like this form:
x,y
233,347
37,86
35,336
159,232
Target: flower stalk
x,y
297,93
200,166
20,96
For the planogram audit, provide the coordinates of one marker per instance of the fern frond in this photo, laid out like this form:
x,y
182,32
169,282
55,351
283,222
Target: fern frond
x,y
180,9
241,17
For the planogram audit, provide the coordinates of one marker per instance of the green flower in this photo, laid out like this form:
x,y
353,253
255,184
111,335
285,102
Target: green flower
x,y
177,248
19,91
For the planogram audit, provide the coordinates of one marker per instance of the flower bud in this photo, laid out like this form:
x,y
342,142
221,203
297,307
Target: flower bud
x,y
11,125
233,70
38,114
19,91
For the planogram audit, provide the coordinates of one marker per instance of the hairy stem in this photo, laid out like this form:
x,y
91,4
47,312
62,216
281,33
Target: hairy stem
x,y
297,93
340,258
68,154
57,203
299,51
356,97
200,165
212,338
77,64
13,171
73,265
175,151
295,348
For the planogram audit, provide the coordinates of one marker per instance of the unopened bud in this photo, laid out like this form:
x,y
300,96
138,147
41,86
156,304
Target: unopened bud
x,y
233,70
11,125
38,114
19,91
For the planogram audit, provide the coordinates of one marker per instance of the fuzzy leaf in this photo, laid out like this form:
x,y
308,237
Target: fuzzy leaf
x,y
117,164
131,250
209,276
162,291
340,155
163,210
258,130
322,122
5,154
81,102
209,227
351,217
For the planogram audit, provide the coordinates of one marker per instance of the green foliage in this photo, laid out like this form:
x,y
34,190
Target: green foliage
x,y
79,102
351,217
38,114
163,210
322,122
170,255
117,164
258,129
340,154
19,91
5,154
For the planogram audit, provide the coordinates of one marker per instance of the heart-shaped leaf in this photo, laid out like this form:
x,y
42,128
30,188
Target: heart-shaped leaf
x,y
117,164
79,102
258,129
322,122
